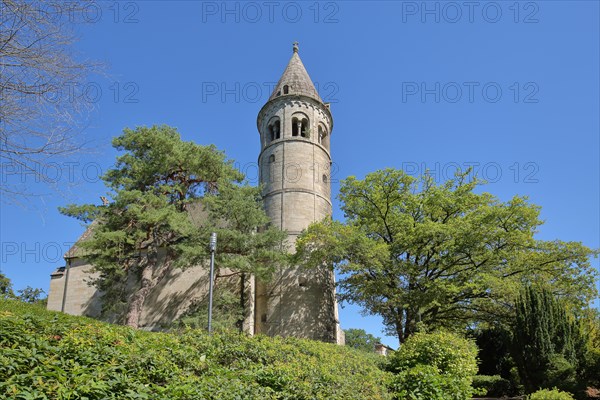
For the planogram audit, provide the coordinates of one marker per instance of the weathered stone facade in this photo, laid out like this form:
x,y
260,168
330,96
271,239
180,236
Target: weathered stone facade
x,y
295,162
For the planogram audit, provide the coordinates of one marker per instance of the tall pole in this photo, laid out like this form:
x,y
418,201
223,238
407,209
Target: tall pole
x,y
213,248
64,298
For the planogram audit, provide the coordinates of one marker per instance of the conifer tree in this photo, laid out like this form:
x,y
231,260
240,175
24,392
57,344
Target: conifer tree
x,y
547,342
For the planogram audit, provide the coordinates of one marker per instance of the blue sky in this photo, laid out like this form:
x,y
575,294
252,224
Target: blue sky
x,y
511,88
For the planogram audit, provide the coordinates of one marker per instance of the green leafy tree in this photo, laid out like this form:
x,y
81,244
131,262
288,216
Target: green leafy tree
x,y
6,290
413,251
167,197
549,348
361,340
31,295
27,295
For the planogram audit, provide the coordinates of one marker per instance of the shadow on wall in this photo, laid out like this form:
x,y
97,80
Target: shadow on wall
x,y
184,293
300,303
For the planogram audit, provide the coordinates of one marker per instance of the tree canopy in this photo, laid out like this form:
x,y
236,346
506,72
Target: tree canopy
x,y
361,340
166,197
27,295
415,251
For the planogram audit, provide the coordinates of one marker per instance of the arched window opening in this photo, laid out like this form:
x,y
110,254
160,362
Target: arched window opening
x,y
321,134
277,129
304,132
324,137
274,130
286,89
324,178
272,158
300,126
271,133
279,93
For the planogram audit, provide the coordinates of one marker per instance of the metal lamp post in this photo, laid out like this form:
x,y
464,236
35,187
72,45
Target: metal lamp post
x,y
64,298
213,248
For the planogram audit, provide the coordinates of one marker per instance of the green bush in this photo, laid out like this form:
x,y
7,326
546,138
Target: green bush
x,y
547,394
421,382
492,386
593,367
48,355
434,364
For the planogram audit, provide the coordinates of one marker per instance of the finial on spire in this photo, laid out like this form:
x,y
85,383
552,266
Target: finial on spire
x,y
295,47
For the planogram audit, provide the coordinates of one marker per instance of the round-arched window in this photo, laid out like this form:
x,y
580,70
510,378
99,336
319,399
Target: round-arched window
x,y
274,129
300,126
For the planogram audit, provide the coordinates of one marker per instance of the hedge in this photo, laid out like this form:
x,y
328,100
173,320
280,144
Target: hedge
x,y
49,355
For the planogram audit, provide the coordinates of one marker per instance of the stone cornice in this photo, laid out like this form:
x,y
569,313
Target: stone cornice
x,y
295,190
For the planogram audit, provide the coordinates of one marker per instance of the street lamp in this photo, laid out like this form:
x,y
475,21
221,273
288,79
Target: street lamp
x,y
213,248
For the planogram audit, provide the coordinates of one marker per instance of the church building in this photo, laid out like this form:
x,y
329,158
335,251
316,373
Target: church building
x,y
295,126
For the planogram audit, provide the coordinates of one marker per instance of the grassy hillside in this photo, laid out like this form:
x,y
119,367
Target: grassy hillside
x,y
49,355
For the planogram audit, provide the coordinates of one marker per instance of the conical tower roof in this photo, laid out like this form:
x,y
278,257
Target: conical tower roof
x,y
296,79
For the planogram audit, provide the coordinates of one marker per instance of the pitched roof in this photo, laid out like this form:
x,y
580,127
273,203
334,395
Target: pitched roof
x,y
296,79
76,251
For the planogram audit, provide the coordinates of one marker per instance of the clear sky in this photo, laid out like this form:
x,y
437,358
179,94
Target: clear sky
x,y
511,88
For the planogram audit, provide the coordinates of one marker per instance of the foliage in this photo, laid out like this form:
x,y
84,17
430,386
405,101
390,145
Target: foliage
x,y
593,367
547,394
590,327
424,382
492,386
226,316
497,369
494,350
27,295
167,197
31,295
47,355
434,366
361,340
411,250
549,348
6,290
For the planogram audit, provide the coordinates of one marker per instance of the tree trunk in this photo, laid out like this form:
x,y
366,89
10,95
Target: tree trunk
x,y
400,333
398,313
410,324
151,274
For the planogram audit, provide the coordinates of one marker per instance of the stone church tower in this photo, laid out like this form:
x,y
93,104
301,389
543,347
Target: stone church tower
x,y
295,126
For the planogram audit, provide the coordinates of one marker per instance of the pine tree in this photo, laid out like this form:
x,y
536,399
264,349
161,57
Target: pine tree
x,y
167,196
